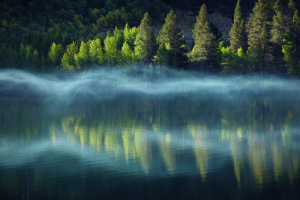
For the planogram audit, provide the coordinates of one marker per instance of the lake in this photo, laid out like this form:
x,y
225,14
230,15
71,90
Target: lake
x,y
148,134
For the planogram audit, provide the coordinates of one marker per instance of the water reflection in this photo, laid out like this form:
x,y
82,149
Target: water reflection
x,y
140,141
251,142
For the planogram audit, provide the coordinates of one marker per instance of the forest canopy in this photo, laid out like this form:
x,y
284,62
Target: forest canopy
x,y
73,35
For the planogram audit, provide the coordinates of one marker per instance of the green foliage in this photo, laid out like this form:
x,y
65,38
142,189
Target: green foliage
x,y
291,11
83,55
277,31
38,35
127,54
130,35
237,62
260,18
238,35
145,44
55,54
70,57
278,24
96,56
172,50
259,26
291,46
205,48
111,50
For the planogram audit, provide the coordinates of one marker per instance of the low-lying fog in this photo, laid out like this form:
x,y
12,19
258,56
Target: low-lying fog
x,y
107,83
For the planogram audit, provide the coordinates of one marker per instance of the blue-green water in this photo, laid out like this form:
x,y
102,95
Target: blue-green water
x,y
144,134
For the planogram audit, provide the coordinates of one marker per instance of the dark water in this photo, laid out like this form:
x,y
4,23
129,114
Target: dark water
x,y
135,134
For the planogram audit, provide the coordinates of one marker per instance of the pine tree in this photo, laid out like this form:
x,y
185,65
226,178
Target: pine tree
x,y
55,54
69,58
96,55
259,32
111,50
22,55
83,55
238,35
291,11
278,30
261,16
130,35
35,58
172,50
291,46
205,48
145,43
28,55
127,54
119,38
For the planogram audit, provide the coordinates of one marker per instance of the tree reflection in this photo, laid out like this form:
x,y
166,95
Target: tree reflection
x,y
169,136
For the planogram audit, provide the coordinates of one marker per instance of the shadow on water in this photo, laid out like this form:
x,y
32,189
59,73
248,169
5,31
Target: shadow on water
x,y
148,134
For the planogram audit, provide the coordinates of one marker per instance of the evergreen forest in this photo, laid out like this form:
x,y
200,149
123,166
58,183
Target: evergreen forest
x,y
74,35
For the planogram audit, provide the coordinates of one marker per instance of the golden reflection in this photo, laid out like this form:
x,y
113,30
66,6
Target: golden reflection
x,y
167,153
257,158
277,156
199,134
143,149
52,132
136,144
236,150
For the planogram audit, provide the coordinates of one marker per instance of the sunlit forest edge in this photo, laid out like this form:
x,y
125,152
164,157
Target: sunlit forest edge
x,y
69,35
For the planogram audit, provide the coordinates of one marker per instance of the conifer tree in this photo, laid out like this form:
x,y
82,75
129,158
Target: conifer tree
x,y
68,60
111,50
119,38
95,52
22,55
259,32
83,55
291,11
277,31
205,48
130,35
291,46
35,58
238,35
172,50
145,43
55,53
127,54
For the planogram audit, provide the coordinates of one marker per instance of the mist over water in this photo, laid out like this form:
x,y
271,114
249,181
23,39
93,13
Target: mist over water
x,y
131,126
108,83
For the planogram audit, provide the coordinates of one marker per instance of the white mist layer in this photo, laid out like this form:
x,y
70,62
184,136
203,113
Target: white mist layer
x,y
107,83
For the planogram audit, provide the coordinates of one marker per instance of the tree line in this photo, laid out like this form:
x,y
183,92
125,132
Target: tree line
x,y
267,42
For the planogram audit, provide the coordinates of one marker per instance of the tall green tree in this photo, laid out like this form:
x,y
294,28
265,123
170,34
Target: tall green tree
x,y
291,11
127,55
68,60
238,34
130,35
55,54
291,46
172,50
145,43
119,38
35,58
111,50
96,55
277,31
205,48
259,26
83,55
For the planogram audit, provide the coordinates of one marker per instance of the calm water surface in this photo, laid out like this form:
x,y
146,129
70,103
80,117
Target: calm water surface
x,y
144,134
